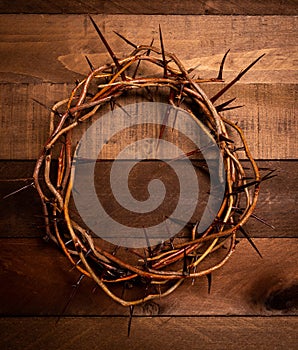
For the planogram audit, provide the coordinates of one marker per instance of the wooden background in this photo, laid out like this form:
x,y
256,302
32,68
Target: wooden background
x,y
254,301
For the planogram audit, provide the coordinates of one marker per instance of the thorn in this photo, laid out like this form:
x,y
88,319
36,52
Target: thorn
x,y
221,106
164,124
209,278
230,84
145,259
119,105
175,119
112,104
242,187
163,53
219,77
246,235
148,243
19,190
72,295
89,63
48,108
131,308
126,40
269,176
264,178
110,51
193,68
185,268
254,216
223,138
239,149
230,108
139,61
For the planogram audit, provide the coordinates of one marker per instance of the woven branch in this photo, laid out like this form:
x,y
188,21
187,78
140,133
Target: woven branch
x,y
166,266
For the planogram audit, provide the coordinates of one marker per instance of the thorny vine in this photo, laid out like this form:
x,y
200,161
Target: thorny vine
x,y
165,267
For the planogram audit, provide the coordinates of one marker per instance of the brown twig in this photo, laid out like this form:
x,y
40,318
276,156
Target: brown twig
x,y
177,259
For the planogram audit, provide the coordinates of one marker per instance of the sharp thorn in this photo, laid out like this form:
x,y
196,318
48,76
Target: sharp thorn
x,y
126,40
19,190
193,68
72,295
262,221
219,77
185,268
110,51
209,279
223,138
119,105
48,108
139,61
238,77
163,52
147,242
246,235
164,124
226,103
131,308
269,176
89,63
230,108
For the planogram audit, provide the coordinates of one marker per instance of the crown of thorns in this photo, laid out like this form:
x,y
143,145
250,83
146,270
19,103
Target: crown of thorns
x,y
161,269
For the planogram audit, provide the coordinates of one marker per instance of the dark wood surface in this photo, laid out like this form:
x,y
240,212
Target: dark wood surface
x,y
40,281
20,214
210,333
186,7
253,302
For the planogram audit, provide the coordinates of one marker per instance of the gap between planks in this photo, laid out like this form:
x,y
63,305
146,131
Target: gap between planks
x,y
36,279
233,333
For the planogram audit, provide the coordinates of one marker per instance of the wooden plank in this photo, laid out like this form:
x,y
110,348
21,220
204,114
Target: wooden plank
x,y
52,47
187,7
20,215
36,279
267,118
234,333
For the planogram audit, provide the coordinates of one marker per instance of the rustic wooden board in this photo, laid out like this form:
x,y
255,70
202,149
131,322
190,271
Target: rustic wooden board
x,y
36,279
210,333
20,215
267,118
187,7
52,47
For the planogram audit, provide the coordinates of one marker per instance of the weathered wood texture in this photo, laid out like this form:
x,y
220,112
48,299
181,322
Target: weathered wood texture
x,y
41,57
267,118
20,215
187,7
40,281
208,333
37,49
51,48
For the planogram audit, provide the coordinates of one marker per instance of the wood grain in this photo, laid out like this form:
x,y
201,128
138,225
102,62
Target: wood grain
x,y
39,280
267,118
187,7
20,215
52,47
253,302
233,333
